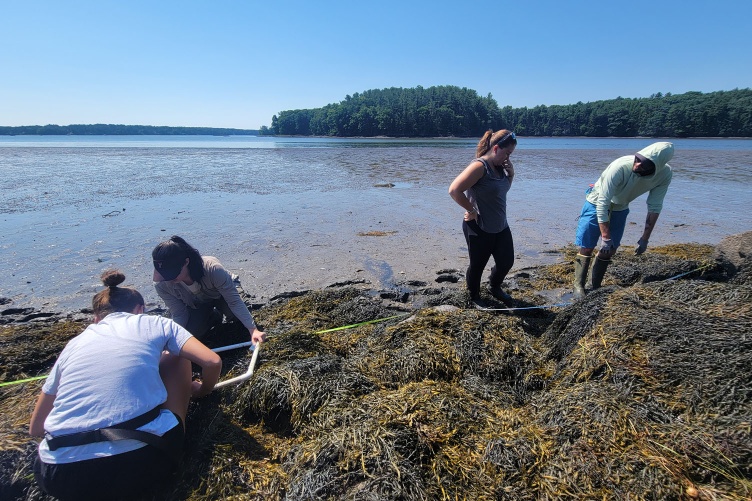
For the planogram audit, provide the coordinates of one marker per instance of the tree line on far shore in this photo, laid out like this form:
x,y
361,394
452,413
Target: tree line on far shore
x,y
449,111
120,130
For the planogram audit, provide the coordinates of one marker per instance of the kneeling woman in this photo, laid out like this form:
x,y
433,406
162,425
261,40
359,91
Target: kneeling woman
x,y
192,286
113,409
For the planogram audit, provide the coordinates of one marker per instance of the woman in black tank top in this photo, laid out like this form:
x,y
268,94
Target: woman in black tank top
x,y
481,189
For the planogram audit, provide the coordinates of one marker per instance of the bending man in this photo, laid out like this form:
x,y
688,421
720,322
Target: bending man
x,y
604,214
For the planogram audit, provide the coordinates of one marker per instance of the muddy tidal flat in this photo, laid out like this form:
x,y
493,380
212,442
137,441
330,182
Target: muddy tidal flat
x,y
296,214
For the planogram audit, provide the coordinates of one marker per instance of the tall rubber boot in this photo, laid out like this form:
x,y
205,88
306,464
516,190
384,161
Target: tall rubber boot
x,y
599,269
581,267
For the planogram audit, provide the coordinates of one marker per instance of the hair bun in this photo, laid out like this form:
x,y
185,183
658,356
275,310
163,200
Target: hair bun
x,y
113,278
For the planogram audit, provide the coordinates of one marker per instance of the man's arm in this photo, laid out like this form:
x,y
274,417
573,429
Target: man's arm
x,y
605,231
650,221
642,243
607,247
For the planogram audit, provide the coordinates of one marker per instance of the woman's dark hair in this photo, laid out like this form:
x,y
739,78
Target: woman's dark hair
x,y
114,298
501,137
174,251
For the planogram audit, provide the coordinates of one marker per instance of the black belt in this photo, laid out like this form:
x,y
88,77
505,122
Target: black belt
x,y
122,431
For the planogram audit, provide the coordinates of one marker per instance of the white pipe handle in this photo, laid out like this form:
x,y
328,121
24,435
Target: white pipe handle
x,y
247,374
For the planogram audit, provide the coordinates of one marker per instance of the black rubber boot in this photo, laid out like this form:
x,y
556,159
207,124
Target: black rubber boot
x,y
479,302
599,269
581,267
497,292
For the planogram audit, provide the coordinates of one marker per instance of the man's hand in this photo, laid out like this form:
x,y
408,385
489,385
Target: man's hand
x,y
607,249
642,246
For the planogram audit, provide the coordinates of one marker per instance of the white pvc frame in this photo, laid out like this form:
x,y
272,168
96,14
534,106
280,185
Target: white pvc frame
x,y
245,376
232,346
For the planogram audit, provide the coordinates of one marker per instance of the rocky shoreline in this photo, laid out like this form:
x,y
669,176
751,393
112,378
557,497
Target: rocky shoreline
x,y
399,292
730,255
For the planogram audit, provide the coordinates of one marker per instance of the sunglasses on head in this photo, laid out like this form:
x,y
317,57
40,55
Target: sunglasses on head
x,y
506,137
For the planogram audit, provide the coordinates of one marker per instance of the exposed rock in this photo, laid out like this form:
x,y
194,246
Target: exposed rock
x,y
734,254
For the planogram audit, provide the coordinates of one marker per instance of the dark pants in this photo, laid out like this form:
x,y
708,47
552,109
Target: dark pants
x,y
207,315
122,476
481,246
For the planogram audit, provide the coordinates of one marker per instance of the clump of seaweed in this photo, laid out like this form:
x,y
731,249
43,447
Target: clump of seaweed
x,y
691,260
224,459
425,440
27,351
657,392
449,346
557,275
286,395
320,310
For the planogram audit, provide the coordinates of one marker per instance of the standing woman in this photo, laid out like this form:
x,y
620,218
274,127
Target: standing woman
x,y
112,411
198,289
481,189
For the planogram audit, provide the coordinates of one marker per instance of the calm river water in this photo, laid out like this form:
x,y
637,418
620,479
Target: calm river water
x,y
289,214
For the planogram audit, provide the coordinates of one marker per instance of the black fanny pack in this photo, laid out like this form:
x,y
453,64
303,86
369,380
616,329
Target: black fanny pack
x,y
123,431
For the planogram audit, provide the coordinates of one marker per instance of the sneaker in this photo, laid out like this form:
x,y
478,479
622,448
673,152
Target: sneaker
x,y
498,293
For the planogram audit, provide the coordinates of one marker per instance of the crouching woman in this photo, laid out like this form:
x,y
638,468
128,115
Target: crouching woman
x,y
197,289
112,411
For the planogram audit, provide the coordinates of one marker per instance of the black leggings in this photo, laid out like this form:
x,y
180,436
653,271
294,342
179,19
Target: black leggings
x,y
207,315
481,246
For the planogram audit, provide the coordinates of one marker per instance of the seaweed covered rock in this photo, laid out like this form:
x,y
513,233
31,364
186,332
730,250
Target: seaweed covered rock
x,y
17,449
320,310
449,346
656,396
734,254
286,395
661,263
574,322
27,350
426,440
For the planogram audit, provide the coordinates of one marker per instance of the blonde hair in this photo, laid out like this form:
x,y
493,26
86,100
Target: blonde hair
x,y
501,137
115,298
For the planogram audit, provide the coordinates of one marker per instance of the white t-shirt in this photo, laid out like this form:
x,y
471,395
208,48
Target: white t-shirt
x,y
195,287
107,375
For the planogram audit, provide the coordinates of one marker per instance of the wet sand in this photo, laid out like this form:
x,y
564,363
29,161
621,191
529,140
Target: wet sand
x,y
420,238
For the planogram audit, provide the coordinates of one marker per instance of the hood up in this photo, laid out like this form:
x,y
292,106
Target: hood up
x,y
659,153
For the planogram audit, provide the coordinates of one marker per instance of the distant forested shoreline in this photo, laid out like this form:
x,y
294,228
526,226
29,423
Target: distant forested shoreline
x,y
120,130
449,111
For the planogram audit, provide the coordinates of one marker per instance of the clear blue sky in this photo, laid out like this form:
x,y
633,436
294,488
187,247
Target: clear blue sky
x,y
235,63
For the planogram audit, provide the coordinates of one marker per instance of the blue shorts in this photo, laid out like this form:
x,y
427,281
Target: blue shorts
x,y
588,231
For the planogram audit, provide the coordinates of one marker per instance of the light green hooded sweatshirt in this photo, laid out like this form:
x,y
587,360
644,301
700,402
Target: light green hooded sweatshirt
x,y
618,185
